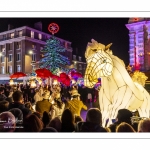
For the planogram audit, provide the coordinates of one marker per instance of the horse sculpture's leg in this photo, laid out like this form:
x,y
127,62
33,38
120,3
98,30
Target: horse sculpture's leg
x,y
144,110
121,100
104,107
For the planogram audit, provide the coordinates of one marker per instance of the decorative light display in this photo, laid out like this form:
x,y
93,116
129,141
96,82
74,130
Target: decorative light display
x,y
53,28
55,82
53,59
118,90
32,84
11,82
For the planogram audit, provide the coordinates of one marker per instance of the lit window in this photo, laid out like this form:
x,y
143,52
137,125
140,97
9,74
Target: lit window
x,y
18,56
18,45
33,67
11,35
2,70
32,34
20,33
10,69
34,57
10,57
2,59
33,46
18,68
40,36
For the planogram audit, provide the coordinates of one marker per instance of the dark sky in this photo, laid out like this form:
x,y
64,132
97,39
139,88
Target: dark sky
x,y
80,31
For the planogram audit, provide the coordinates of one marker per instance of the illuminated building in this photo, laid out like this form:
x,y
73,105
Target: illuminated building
x,y
139,43
20,49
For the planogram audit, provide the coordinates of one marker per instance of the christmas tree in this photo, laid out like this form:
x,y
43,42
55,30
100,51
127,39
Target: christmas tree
x,y
52,58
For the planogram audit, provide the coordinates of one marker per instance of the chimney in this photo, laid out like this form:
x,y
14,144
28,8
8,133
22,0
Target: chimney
x,y
10,27
38,26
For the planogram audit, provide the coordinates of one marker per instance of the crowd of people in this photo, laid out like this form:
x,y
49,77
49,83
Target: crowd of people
x,y
57,108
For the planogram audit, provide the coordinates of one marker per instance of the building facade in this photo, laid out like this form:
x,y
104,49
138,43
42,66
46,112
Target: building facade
x,y
78,64
139,43
20,49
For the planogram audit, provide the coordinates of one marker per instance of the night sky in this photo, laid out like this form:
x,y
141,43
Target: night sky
x,y
80,31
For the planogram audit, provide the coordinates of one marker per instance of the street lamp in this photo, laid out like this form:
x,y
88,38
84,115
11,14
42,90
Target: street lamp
x,y
30,52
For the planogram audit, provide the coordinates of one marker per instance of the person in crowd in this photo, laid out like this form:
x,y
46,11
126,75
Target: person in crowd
x,y
7,122
75,105
29,106
144,125
4,106
124,127
93,122
46,119
2,95
19,118
124,115
44,105
65,93
78,119
55,123
19,103
58,107
37,97
67,121
39,115
32,124
9,99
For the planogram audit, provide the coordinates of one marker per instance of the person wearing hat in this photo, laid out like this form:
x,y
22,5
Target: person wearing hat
x,y
58,107
75,105
44,105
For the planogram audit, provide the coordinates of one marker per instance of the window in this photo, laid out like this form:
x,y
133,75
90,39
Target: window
x,y
10,69
3,49
33,67
80,67
20,33
11,35
18,45
18,57
2,59
4,37
33,46
74,57
40,36
9,57
18,68
80,58
2,70
32,34
34,57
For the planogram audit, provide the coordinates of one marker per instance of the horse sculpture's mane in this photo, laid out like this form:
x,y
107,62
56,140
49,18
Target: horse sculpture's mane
x,y
118,89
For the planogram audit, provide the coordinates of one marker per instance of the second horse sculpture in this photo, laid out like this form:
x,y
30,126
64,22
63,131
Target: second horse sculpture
x,y
117,89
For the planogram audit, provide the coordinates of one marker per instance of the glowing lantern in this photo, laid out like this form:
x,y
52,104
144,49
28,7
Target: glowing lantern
x,y
11,82
55,82
32,84
73,81
40,81
118,90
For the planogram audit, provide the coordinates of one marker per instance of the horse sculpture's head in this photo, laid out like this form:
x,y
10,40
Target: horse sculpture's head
x,y
99,62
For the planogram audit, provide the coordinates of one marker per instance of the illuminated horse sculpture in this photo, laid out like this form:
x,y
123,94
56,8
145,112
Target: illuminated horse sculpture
x,y
117,89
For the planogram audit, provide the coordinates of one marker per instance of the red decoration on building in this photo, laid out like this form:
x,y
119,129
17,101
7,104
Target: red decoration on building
x,y
136,19
53,28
